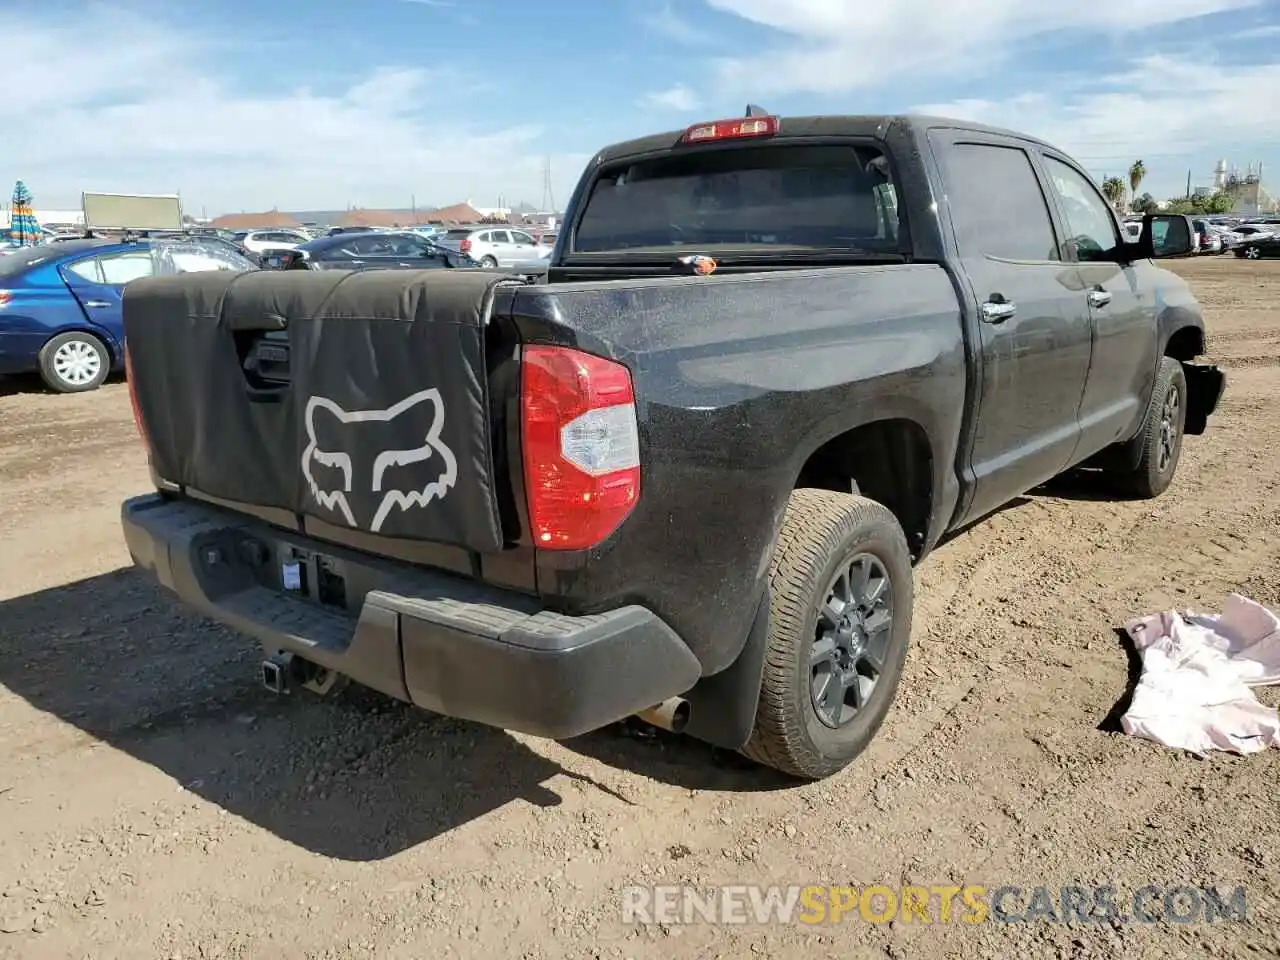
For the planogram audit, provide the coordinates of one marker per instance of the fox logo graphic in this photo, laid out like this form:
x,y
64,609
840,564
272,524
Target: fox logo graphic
x,y
357,449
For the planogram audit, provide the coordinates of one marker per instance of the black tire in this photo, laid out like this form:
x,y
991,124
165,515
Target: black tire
x,y
67,362
1253,253
489,263
1162,433
822,532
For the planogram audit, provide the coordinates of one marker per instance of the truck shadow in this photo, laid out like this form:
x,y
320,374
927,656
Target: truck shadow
x,y
1084,485
677,760
357,776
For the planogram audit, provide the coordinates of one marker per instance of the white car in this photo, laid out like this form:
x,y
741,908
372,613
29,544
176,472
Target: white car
x,y
260,241
1254,231
494,247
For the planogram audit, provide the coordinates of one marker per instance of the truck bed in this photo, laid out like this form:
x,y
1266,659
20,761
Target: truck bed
x,y
738,379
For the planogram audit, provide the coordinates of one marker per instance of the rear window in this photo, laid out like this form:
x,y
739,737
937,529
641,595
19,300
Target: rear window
x,y
819,196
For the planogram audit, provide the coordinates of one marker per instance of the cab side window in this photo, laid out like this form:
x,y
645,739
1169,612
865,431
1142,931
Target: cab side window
x,y
1091,227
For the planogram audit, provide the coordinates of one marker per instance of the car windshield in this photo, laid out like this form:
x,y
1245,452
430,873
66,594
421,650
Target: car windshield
x,y
822,196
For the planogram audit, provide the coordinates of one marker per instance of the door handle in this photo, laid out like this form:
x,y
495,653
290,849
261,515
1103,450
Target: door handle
x,y
98,304
1099,298
997,311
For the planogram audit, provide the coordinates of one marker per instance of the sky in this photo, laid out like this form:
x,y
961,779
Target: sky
x,y
248,106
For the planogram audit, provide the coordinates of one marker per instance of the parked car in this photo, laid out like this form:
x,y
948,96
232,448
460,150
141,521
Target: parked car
x,y
335,231
1209,240
687,478
365,251
60,304
1259,247
494,247
1252,231
258,241
222,240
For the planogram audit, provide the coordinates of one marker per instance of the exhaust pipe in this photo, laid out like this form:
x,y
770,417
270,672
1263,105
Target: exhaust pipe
x,y
672,715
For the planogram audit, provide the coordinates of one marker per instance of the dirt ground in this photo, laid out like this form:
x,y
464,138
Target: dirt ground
x,y
156,801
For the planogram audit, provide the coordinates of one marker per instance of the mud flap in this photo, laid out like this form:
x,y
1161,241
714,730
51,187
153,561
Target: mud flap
x,y
379,421
1205,386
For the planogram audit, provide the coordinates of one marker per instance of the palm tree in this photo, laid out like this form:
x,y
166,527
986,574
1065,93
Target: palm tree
x,y
1137,173
1113,190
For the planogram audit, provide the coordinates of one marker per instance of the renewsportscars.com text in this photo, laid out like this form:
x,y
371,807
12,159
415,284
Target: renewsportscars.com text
x,y
816,904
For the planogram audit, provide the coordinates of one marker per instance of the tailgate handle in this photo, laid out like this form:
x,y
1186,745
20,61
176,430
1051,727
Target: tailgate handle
x,y
264,362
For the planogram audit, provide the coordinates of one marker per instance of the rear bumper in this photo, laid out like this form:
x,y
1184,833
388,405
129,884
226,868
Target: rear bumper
x,y
441,642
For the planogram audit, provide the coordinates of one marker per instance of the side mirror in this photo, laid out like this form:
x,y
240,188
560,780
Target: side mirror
x,y
1166,236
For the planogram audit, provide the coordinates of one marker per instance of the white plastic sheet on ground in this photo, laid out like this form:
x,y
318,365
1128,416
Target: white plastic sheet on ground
x,y
1197,673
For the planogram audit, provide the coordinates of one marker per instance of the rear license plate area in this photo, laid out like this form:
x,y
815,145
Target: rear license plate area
x,y
313,576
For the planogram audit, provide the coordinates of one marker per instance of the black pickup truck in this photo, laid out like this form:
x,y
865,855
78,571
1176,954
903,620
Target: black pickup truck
x,y
686,476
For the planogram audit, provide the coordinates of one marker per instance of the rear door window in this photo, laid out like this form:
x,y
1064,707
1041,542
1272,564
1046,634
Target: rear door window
x,y
119,269
819,196
997,207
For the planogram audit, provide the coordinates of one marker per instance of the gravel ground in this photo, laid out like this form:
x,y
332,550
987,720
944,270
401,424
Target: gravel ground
x,y
155,801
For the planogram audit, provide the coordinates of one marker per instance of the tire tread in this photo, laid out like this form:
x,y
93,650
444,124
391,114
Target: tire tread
x,y
816,522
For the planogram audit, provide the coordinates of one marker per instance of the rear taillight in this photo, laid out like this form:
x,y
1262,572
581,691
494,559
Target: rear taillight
x,y
133,395
581,446
465,245
5,297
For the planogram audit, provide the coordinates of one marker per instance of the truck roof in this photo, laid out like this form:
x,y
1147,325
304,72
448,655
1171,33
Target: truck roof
x,y
840,125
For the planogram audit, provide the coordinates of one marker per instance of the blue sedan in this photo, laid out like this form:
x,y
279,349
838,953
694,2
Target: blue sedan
x,y
60,304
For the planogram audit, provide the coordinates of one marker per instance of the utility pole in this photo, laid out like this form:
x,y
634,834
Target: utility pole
x,y
548,197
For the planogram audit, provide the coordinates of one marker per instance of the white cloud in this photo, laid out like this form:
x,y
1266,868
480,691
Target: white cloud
x,y
1159,109
1258,33
840,45
127,105
679,98
667,23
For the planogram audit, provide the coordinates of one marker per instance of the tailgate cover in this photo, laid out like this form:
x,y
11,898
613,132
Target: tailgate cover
x,y
381,422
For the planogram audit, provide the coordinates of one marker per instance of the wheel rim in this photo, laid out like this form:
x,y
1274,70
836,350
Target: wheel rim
x,y
851,640
1252,253
77,362
1169,427
488,263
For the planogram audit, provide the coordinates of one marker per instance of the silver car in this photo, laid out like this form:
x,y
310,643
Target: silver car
x,y
494,247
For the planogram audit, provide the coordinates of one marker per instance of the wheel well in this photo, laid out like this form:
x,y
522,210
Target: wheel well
x,y
87,331
889,461
1185,344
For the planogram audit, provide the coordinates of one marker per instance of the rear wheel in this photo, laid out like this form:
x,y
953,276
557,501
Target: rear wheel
x,y
1253,253
842,593
489,263
74,362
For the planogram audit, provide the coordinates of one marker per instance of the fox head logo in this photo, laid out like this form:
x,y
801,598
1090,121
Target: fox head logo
x,y
377,461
